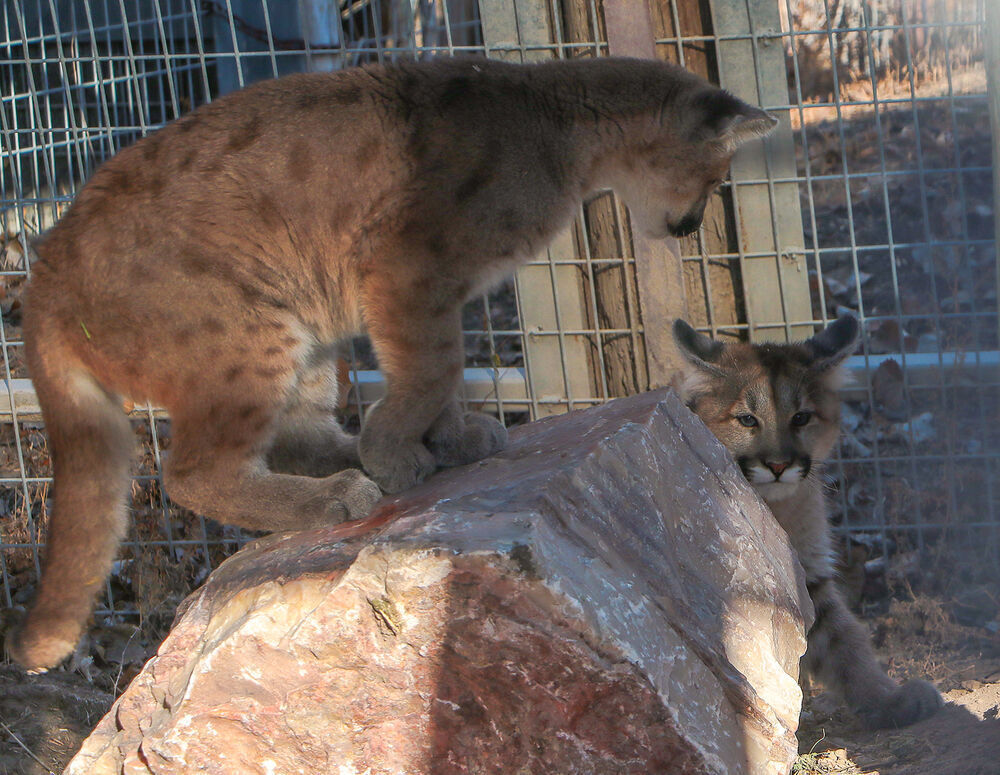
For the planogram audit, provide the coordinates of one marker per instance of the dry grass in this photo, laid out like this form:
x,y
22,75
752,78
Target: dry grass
x,y
827,763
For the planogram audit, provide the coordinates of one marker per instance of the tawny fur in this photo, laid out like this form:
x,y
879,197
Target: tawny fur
x,y
212,267
790,391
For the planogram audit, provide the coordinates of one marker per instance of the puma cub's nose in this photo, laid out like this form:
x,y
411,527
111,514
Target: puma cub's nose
x,y
777,468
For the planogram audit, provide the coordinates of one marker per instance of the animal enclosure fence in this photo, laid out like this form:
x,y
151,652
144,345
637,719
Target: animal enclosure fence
x,y
875,196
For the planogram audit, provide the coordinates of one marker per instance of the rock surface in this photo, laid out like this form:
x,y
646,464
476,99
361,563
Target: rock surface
x,y
605,596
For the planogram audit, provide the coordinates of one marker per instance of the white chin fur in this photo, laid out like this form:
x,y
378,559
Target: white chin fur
x,y
776,491
772,489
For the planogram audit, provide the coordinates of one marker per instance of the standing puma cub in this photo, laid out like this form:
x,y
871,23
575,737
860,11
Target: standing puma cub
x,y
212,267
775,408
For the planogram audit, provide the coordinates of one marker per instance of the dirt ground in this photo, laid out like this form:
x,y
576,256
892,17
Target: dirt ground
x,y
44,719
916,639
962,739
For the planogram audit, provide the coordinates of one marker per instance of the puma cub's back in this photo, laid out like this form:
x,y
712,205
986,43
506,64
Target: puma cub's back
x,y
213,267
776,408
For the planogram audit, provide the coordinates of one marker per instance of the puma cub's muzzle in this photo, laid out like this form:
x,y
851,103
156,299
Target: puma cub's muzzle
x,y
759,471
775,479
689,224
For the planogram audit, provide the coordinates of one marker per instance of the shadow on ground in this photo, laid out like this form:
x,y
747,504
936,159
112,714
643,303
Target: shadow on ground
x,y
45,719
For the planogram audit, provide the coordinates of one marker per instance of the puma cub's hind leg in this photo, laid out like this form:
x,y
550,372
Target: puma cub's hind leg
x,y
217,460
309,439
225,477
907,704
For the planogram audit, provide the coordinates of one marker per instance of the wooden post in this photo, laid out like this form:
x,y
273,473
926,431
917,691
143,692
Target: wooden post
x,y
550,296
713,286
603,236
658,262
776,289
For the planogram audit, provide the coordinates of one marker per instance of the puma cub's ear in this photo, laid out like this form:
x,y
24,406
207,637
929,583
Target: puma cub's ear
x,y
834,343
728,121
697,348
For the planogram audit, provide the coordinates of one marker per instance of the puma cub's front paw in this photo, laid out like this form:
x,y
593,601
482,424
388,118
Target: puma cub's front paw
x,y
466,439
910,703
388,452
396,466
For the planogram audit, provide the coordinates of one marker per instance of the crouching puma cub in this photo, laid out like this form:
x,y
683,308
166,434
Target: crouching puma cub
x,y
212,267
775,408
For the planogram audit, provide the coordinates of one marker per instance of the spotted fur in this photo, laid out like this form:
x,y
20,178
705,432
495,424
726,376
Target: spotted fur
x,y
776,409
212,267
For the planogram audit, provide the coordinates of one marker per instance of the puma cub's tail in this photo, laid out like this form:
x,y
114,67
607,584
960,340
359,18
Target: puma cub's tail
x,y
91,442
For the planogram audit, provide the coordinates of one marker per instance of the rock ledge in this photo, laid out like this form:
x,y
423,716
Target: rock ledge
x,y
607,595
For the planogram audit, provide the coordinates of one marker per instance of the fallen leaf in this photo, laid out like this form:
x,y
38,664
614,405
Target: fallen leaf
x,y
889,392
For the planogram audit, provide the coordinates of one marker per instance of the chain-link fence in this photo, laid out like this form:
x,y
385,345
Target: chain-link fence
x,y
874,196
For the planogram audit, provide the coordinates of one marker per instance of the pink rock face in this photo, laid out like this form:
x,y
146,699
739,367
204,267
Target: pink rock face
x,y
606,596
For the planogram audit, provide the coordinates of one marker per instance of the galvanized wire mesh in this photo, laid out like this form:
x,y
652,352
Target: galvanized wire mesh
x,y
908,194
880,204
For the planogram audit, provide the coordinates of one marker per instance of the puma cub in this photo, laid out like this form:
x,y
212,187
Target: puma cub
x,y
775,408
212,267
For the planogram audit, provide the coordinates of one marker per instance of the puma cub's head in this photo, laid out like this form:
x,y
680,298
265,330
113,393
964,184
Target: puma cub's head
x,y
774,406
667,178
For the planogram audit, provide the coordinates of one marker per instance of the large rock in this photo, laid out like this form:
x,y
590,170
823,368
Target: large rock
x,y
606,596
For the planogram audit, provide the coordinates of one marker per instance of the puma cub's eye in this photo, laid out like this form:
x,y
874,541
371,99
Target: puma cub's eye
x,y
747,420
801,418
